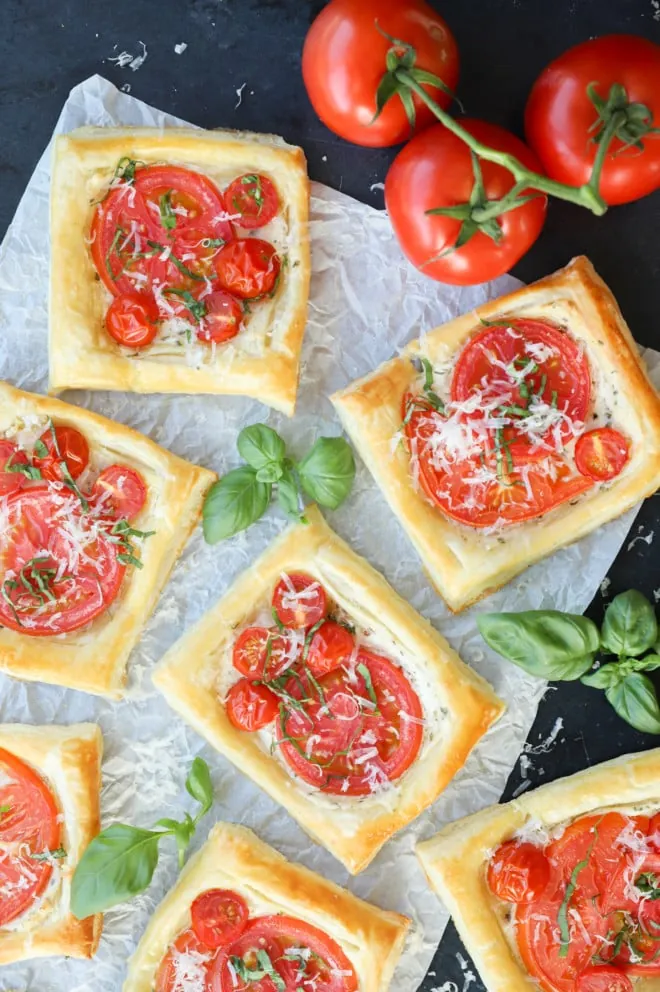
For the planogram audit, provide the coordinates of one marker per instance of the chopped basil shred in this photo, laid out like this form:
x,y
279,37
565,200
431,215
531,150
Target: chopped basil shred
x,y
167,215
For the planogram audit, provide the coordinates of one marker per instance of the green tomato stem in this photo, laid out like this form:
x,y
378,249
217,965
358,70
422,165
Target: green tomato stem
x,y
584,196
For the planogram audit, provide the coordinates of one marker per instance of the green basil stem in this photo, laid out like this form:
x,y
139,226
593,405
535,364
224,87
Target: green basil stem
x,y
584,196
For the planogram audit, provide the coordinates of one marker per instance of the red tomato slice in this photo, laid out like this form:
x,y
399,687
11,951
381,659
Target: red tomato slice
x,y
68,446
331,646
363,730
248,268
195,203
602,454
255,198
518,872
263,653
219,916
603,978
299,601
187,964
11,454
284,941
132,320
251,706
223,319
29,817
81,587
121,491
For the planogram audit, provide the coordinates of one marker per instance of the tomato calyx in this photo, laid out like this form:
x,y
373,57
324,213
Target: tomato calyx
x,y
403,55
620,118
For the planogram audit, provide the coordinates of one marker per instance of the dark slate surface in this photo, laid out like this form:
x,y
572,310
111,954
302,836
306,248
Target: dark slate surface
x,y
46,48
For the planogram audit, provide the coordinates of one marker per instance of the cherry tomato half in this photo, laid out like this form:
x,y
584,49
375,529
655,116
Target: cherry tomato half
x,y
219,916
254,197
223,319
344,62
299,601
122,490
68,446
248,268
250,706
331,646
132,320
602,454
187,962
11,454
435,170
262,653
518,872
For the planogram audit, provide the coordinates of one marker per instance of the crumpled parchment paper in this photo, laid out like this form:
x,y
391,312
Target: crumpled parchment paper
x,y
366,302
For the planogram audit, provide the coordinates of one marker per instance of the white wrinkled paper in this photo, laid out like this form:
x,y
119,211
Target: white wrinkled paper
x,y
366,302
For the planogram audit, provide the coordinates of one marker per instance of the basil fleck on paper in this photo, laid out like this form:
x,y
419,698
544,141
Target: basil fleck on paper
x,y
366,302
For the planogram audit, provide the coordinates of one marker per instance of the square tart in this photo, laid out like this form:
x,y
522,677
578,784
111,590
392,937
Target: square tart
x,y
262,361
235,858
94,658
466,563
456,859
68,759
458,706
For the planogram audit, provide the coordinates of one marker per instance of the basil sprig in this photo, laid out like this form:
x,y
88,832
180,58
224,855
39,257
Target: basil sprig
x,y
120,862
241,497
563,647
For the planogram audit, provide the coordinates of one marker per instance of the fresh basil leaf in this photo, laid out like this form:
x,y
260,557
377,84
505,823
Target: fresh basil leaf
x,y
233,503
629,626
327,471
604,677
288,495
118,864
648,664
200,786
636,702
270,473
545,643
259,446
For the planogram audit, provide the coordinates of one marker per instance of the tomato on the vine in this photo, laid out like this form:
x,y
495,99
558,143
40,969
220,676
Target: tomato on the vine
x,y
344,60
563,124
436,170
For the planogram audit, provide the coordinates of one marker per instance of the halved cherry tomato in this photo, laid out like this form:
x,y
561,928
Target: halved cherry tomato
x,y
132,320
284,941
344,62
223,318
602,454
560,118
251,706
364,728
518,872
254,197
219,916
434,170
248,268
68,446
11,454
603,978
263,653
299,601
331,646
122,491
30,817
82,586
186,964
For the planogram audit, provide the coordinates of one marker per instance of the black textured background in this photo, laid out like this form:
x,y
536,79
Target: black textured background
x,y
47,46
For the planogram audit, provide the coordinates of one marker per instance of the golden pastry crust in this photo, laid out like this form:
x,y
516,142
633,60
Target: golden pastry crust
x,y
353,831
233,857
455,860
465,564
69,759
83,355
94,659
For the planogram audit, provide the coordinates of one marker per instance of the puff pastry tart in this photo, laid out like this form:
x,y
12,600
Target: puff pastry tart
x,y
521,427
559,890
50,779
324,686
242,918
92,518
180,262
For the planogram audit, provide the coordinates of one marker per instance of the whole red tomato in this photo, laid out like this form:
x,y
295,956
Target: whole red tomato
x,y
436,170
344,62
560,116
